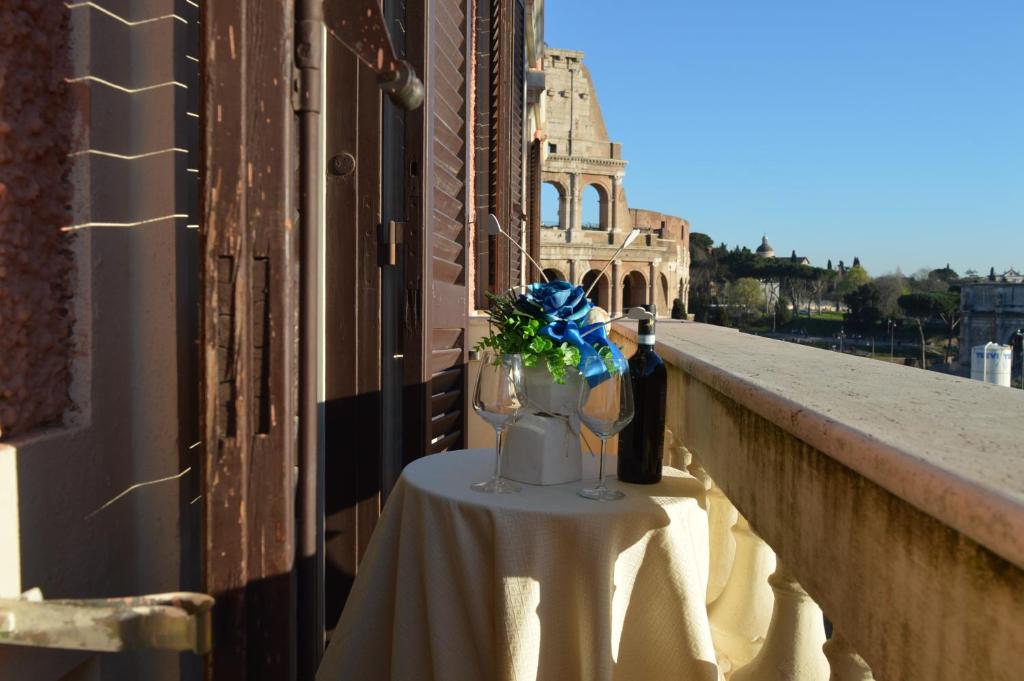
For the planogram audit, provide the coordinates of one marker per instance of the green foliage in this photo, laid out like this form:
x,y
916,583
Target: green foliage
x,y
783,311
678,309
854,278
920,305
864,304
700,242
518,334
744,296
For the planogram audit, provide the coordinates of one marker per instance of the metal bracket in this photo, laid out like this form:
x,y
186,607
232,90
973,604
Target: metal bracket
x,y
361,27
172,621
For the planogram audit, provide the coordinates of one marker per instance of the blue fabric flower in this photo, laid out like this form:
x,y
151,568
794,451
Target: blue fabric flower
x,y
555,301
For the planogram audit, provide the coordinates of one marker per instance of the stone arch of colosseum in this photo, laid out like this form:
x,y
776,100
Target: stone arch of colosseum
x,y
601,293
555,274
577,153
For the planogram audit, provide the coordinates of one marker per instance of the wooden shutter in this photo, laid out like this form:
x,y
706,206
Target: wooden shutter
x,y
533,191
436,314
501,91
249,350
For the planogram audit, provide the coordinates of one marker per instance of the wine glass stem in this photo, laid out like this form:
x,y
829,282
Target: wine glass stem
x,y
497,453
600,465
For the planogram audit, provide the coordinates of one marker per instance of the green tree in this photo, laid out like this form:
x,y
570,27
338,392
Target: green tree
x,y
946,274
890,287
745,297
924,305
947,308
853,278
864,306
783,313
678,309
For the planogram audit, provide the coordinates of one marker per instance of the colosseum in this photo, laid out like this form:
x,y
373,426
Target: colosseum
x,y
577,154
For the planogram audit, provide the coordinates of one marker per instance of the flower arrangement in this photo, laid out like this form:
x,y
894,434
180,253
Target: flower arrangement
x,y
548,325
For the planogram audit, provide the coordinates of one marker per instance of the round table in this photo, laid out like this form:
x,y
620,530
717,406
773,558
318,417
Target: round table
x,y
541,585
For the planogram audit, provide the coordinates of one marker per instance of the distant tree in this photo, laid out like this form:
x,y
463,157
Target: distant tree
x,y
744,297
946,274
678,309
863,303
829,267
792,257
925,281
853,278
947,307
920,307
890,287
856,261
783,311
700,242
992,274
821,284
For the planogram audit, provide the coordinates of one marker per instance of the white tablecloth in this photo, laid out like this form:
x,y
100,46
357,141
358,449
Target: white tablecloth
x,y
462,586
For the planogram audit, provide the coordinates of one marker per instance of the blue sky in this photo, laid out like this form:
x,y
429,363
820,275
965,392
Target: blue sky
x,y
892,130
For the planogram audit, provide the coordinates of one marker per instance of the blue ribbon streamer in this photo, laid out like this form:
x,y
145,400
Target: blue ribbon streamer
x,y
593,366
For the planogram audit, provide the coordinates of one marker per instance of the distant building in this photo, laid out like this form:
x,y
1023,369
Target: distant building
x,y
577,153
765,250
993,311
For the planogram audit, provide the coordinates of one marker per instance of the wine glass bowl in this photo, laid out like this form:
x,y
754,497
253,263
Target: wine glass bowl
x,y
497,402
605,408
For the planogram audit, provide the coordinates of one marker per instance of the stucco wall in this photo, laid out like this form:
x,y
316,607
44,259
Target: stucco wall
x,y
35,197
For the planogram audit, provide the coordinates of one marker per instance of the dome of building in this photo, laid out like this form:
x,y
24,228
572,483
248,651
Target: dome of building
x,y
765,250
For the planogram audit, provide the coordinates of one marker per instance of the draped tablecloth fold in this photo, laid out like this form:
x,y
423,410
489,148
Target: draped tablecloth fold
x,y
544,585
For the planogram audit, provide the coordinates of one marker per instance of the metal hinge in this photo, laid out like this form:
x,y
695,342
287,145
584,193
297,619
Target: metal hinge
x,y
392,234
308,54
171,621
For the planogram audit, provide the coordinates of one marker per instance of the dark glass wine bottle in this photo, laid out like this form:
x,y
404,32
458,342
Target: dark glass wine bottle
x,y
640,442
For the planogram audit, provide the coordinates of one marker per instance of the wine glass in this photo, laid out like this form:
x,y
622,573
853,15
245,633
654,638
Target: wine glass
x,y
605,407
496,401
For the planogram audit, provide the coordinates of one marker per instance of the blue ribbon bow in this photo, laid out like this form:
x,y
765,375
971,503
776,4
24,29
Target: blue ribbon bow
x,y
592,365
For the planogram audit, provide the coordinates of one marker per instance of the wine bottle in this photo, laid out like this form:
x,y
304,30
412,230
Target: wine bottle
x,y
640,442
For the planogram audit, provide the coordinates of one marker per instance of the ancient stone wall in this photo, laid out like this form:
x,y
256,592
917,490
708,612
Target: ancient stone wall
x,y
579,154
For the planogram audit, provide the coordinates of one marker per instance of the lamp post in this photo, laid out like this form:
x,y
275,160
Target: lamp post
x,y
892,334
842,336
1020,334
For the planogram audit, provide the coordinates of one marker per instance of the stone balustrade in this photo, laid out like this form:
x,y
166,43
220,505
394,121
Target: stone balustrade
x,y
889,499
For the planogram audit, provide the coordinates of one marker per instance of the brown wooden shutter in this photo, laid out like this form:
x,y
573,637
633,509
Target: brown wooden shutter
x,y
249,350
436,314
533,192
501,47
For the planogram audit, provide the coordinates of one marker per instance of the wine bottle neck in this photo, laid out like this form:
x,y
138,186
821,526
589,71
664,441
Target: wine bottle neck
x,y
645,339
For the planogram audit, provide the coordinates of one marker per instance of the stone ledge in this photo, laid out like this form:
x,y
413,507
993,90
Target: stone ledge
x,y
949,446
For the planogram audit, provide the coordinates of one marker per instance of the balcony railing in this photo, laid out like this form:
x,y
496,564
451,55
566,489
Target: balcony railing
x,y
886,498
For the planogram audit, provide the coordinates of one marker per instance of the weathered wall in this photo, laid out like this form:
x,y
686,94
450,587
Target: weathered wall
x,y
579,154
105,502
35,198
992,313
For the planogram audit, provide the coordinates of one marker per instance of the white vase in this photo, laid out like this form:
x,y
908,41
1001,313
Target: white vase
x,y
543,446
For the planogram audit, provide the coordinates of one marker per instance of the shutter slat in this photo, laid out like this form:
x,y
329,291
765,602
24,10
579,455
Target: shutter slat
x,y
445,359
445,402
446,423
447,271
446,381
451,441
446,249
